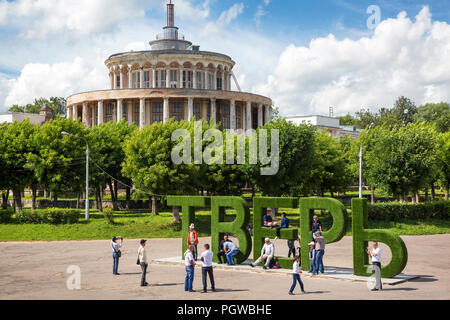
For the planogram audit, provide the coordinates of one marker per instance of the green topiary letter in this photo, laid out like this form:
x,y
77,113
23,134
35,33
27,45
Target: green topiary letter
x,y
238,227
361,236
337,231
260,205
188,205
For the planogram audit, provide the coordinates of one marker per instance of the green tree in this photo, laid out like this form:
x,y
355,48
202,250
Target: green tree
x,y
347,120
437,113
444,162
57,104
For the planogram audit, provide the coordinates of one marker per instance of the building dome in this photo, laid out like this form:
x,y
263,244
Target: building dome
x,y
174,79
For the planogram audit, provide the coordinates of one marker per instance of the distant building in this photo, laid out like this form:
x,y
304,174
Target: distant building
x,y
44,115
326,124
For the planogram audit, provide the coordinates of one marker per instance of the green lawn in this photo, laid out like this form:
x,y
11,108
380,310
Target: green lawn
x,y
140,224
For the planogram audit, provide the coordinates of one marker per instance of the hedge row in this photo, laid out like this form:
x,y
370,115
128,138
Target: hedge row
x,y
6,215
53,216
396,211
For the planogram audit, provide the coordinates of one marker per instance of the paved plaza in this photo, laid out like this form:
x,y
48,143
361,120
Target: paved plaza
x,y
37,270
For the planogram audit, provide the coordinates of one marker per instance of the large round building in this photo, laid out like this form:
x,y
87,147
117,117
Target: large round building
x,y
174,79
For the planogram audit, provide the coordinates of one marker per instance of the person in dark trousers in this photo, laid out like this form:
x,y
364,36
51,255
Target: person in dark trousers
x,y
296,276
312,256
221,252
316,226
143,261
291,246
207,268
284,224
115,246
375,255
268,221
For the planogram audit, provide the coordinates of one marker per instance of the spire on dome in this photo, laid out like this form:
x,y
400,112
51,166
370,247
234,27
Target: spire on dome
x,y
170,14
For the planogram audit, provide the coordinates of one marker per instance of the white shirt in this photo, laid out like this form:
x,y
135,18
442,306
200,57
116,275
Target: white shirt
x,y
296,268
207,258
115,246
268,249
191,237
188,257
376,255
142,253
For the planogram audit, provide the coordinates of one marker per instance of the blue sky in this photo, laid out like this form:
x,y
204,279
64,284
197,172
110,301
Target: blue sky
x,y
283,48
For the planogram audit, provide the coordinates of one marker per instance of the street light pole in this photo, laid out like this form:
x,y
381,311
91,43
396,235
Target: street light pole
x,y
86,202
360,161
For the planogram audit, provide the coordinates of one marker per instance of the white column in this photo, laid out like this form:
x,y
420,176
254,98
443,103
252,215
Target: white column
x,y
130,83
206,85
141,77
190,108
205,110
142,113
166,114
100,112
85,113
260,115
114,80
267,114
119,110
130,112
181,79
121,77
168,79
194,73
111,83
229,81
248,117
233,114
213,111
223,80
215,80
68,112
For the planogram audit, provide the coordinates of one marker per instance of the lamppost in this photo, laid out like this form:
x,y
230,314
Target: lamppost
x,y
87,173
360,160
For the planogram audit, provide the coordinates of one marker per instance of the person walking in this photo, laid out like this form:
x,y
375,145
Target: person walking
x,y
143,261
375,254
284,224
115,246
312,256
193,239
316,226
207,268
231,250
296,276
189,265
320,251
267,254
221,252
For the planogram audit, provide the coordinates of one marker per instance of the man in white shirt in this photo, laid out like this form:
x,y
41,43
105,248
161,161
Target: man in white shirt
x,y
207,268
189,263
267,253
115,246
375,254
143,261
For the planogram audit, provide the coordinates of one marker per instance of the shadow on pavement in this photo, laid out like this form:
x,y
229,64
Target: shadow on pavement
x,y
398,289
165,284
424,278
230,290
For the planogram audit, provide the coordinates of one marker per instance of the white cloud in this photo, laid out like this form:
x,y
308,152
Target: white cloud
x,y
229,15
186,10
402,57
39,18
59,79
260,12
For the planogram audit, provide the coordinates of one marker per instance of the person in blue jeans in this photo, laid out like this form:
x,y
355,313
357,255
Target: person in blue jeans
x,y
320,251
231,250
189,263
316,226
312,256
296,276
115,246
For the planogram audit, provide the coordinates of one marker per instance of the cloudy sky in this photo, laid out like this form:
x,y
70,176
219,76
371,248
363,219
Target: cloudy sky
x,y
307,55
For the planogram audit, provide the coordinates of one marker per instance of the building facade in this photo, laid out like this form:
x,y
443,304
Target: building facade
x,y
40,118
330,125
175,79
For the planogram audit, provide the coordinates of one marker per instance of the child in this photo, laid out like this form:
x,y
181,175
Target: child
x,y
312,256
296,275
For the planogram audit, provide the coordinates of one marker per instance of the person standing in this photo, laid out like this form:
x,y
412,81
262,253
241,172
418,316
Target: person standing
x,y
115,246
291,246
284,224
316,226
312,256
320,251
296,276
267,253
231,250
207,268
189,264
143,261
193,239
221,252
375,254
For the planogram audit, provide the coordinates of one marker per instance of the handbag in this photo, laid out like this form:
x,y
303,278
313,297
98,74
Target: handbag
x,y
119,253
137,261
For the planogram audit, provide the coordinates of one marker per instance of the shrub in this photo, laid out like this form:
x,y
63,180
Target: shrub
x,y
109,216
6,215
396,211
53,216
